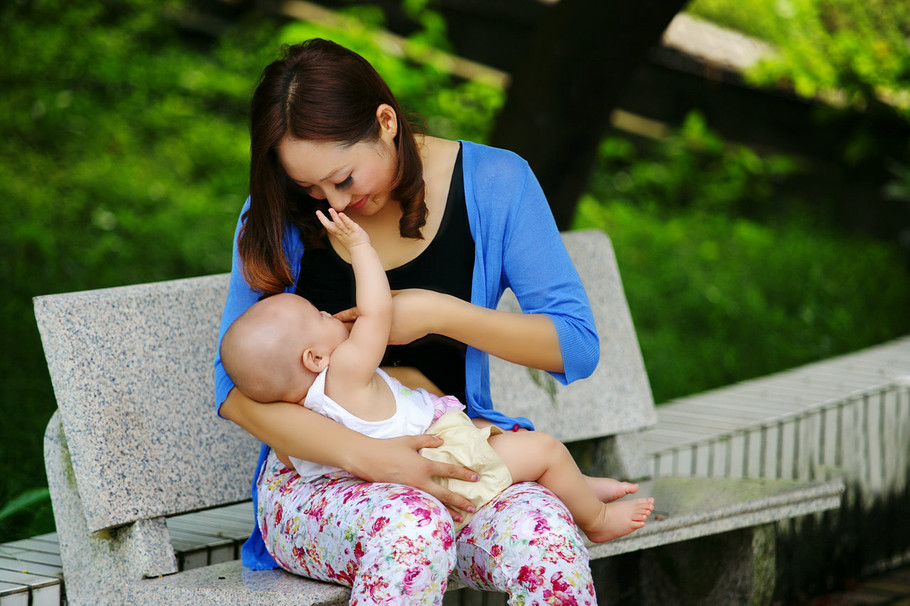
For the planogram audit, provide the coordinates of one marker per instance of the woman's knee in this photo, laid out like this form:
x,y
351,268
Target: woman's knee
x,y
410,525
406,551
526,543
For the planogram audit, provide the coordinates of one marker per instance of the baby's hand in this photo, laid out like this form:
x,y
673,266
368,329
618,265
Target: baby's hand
x,y
346,231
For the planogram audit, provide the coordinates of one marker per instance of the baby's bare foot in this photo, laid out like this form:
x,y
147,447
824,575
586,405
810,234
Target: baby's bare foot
x,y
608,489
619,519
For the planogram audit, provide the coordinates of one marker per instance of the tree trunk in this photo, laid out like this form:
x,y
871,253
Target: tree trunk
x,y
576,65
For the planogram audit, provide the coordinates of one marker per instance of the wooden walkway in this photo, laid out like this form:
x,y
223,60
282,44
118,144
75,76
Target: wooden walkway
x,y
32,567
749,403
31,573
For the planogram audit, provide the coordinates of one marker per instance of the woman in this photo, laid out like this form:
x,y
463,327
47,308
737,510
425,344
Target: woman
x,y
454,224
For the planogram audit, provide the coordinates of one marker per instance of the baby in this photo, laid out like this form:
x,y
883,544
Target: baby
x,y
285,350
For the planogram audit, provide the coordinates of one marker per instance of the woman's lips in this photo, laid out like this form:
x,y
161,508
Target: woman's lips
x,y
359,204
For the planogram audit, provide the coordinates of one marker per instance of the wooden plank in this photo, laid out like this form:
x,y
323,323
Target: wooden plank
x,y
197,539
46,570
27,579
241,512
48,595
42,590
214,526
693,423
195,549
50,537
772,393
25,555
190,552
654,444
745,403
868,369
238,525
722,422
192,558
12,594
802,390
680,437
40,544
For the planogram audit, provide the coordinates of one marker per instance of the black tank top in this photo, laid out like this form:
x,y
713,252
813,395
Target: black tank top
x,y
446,265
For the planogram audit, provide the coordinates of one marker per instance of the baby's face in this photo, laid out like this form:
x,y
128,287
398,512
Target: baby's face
x,y
325,331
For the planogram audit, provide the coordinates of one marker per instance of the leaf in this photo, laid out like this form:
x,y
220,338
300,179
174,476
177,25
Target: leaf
x,y
25,501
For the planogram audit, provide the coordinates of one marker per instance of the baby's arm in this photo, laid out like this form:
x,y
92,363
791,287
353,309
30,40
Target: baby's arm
x,y
359,356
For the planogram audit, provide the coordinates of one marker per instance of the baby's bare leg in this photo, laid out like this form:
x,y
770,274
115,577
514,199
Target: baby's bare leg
x,y
608,489
532,456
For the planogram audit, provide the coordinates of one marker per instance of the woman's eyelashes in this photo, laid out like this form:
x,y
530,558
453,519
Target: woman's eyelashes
x,y
310,190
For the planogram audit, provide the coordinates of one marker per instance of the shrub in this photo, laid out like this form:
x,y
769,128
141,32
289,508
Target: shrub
x,y
726,277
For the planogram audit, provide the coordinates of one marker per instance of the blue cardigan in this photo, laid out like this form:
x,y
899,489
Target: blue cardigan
x,y
516,246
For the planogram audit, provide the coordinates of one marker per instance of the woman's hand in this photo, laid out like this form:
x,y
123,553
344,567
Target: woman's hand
x,y
412,312
397,460
293,430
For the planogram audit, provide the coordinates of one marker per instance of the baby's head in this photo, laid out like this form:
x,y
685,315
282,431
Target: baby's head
x,y
274,351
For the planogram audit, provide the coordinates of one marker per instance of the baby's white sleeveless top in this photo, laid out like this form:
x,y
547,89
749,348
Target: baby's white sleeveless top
x,y
414,411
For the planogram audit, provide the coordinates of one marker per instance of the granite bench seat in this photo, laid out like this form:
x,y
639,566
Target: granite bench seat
x,y
135,441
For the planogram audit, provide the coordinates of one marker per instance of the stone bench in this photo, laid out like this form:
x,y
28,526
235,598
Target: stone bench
x,y
135,441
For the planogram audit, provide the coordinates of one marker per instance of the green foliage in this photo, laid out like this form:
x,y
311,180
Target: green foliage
x,y
724,282
757,18
124,153
25,502
692,169
715,301
856,50
29,513
118,139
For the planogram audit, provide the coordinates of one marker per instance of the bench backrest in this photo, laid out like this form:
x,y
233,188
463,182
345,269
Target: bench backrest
x,y
617,397
132,373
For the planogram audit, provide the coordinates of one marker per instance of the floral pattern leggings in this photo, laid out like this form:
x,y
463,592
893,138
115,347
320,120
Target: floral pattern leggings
x,y
393,544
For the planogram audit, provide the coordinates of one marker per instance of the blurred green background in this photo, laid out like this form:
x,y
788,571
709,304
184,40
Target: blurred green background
x,y
124,151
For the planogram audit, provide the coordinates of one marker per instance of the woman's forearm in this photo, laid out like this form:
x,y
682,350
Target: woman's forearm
x,y
525,339
291,429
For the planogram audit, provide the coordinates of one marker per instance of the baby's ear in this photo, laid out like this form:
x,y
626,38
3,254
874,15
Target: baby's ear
x,y
313,361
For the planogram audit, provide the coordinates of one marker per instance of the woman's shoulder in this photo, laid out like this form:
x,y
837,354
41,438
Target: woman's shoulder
x,y
477,154
493,166
488,153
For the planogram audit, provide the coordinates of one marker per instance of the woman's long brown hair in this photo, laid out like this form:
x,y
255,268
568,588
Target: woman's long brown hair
x,y
317,91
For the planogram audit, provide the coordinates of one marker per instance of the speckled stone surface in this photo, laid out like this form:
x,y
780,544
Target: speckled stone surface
x,y
232,585
688,508
98,566
617,397
132,373
735,567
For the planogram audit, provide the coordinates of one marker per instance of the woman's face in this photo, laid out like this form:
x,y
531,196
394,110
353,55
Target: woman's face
x,y
355,178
